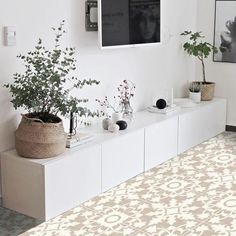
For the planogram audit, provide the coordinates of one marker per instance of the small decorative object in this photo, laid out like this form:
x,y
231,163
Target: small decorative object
x,y
195,92
161,103
171,102
162,107
116,116
78,139
74,138
113,128
196,97
106,122
73,125
166,111
42,92
122,124
225,31
115,108
127,110
121,107
201,50
126,92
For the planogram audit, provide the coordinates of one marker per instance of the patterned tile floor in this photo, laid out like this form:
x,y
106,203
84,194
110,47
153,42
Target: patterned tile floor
x,y
192,194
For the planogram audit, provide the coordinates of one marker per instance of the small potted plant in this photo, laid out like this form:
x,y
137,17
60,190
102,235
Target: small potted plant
x,y
201,50
121,107
43,90
115,107
195,91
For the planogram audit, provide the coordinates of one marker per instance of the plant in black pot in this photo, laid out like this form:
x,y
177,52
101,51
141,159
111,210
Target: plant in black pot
x,y
44,90
201,50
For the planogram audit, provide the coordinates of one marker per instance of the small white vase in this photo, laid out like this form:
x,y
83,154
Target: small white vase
x,y
116,116
196,97
106,122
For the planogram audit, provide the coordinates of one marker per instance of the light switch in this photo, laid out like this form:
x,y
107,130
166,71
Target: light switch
x,y
10,35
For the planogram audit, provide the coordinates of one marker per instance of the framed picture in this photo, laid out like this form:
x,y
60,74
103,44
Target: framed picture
x,y
225,31
144,21
129,23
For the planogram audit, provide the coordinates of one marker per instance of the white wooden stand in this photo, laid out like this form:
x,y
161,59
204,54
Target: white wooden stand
x,y
46,188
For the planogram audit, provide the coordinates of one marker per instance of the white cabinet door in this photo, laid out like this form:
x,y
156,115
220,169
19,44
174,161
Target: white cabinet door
x,y
201,124
22,185
161,141
122,158
72,180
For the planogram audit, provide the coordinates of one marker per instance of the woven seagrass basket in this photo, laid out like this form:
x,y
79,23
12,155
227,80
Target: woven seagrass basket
x,y
39,140
207,91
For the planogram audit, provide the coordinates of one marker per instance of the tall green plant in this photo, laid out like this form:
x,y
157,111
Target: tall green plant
x,y
198,48
44,88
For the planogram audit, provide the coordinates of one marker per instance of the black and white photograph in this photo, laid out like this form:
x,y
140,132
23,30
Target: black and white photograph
x,y
225,31
144,21
128,22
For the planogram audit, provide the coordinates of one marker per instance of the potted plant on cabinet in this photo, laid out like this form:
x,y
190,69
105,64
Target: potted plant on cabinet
x,y
115,107
195,91
201,50
44,91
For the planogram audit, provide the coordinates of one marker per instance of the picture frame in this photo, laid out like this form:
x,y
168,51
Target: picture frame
x,y
225,31
117,23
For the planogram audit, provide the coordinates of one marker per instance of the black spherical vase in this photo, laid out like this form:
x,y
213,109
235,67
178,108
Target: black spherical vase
x,y
161,104
122,124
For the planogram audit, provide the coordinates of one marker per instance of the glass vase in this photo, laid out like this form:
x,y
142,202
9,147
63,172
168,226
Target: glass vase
x,y
127,110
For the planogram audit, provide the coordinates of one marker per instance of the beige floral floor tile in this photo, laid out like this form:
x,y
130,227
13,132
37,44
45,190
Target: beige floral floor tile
x,y
82,221
192,194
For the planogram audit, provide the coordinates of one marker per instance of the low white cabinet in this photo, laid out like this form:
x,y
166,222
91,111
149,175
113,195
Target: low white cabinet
x,y
161,142
201,123
122,158
46,188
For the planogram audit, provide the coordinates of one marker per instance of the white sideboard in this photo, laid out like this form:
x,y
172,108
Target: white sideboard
x,y
122,158
200,123
46,188
161,142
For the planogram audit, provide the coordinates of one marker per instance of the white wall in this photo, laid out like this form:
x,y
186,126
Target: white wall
x,y
221,73
152,69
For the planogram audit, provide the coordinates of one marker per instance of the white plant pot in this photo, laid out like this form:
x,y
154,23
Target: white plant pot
x,y
196,97
116,116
